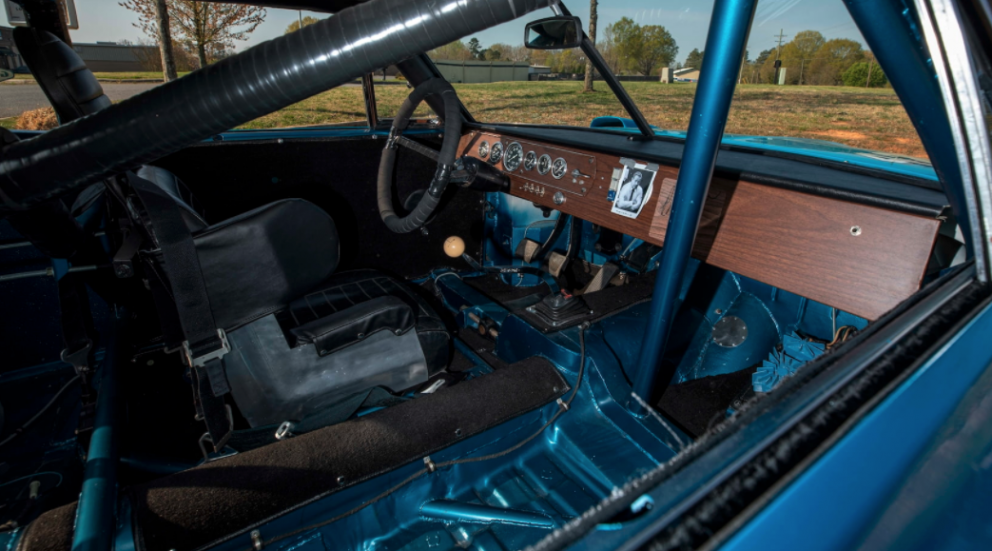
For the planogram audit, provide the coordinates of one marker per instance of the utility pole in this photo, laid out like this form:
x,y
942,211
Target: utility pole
x,y
868,80
778,53
802,65
300,12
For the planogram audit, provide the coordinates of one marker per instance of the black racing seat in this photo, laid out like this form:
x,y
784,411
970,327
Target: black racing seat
x,y
307,345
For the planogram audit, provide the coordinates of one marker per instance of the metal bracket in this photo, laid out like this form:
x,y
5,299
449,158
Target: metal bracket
x,y
203,359
79,359
123,259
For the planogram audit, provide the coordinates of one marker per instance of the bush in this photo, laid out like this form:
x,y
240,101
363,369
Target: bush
x,y
857,75
37,119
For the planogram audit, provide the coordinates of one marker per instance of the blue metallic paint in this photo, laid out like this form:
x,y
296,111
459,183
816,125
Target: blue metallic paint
x,y
835,501
725,41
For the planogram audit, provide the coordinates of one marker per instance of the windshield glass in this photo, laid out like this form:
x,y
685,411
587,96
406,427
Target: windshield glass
x,y
807,74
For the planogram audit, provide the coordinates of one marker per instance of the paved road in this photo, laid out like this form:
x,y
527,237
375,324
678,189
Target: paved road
x,y
17,98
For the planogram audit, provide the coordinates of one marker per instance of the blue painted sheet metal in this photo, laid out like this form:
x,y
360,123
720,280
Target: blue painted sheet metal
x,y
833,503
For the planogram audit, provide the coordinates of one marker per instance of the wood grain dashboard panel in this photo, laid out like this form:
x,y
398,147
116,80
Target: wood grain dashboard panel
x,y
857,258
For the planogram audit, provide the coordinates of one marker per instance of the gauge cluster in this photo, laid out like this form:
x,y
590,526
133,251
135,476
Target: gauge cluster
x,y
541,165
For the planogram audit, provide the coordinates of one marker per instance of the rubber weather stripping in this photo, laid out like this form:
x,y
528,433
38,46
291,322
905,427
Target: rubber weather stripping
x,y
430,466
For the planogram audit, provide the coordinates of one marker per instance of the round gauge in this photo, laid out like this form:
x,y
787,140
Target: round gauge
x,y
514,156
483,149
530,160
496,153
544,164
558,169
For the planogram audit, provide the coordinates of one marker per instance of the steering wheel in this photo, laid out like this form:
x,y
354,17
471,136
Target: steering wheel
x,y
445,158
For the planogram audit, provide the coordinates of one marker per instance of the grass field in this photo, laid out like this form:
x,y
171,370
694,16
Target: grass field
x,y
867,118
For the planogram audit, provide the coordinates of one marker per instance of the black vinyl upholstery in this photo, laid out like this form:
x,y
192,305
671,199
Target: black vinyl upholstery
x,y
344,291
305,341
255,264
189,208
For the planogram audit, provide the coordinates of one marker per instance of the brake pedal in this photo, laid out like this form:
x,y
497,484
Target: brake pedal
x,y
526,249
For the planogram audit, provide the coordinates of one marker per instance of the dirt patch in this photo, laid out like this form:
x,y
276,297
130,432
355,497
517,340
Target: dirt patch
x,y
842,135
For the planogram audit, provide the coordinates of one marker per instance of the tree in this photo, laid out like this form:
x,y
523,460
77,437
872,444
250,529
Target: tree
x,y
593,16
566,61
626,38
165,41
493,53
832,59
475,48
860,73
657,50
795,57
295,25
642,49
208,28
455,51
694,59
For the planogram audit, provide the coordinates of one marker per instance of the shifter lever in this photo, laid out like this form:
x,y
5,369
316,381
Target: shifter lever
x,y
454,247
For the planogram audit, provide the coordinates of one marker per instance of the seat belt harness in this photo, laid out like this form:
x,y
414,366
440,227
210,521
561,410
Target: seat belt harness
x,y
205,344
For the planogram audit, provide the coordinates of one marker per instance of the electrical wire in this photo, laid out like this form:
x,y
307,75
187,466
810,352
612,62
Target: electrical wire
x,y
563,407
25,426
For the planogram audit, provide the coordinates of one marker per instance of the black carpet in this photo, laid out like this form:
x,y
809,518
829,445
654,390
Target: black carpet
x,y
195,507
52,531
696,405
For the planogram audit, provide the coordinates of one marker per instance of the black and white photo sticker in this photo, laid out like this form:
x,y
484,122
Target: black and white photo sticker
x,y
631,187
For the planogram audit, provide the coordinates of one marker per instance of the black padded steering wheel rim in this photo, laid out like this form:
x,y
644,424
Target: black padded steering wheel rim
x,y
446,158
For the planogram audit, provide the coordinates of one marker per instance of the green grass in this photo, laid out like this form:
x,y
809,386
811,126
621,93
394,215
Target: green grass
x,y
867,118
8,123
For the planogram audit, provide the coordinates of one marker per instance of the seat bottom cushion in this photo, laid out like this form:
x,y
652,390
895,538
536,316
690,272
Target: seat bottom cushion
x,y
347,289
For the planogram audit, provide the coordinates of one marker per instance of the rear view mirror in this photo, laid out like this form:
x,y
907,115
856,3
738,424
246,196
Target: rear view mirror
x,y
553,33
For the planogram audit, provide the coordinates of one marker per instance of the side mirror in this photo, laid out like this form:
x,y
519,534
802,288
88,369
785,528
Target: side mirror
x,y
553,33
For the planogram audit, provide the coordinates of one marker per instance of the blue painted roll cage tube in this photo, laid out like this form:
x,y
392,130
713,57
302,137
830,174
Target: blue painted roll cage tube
x,y
554,374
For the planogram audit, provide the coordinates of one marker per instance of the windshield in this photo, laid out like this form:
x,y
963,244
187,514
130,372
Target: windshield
x,y
808,75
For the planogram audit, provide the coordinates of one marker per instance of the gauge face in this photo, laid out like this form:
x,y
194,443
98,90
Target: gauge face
x,y
483,149
496,153
514,156
544,164
558,169
530,160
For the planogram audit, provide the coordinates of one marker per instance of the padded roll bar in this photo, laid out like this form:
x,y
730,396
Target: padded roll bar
x,y
239,89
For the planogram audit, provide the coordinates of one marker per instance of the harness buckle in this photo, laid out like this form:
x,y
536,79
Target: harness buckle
x,y
205,358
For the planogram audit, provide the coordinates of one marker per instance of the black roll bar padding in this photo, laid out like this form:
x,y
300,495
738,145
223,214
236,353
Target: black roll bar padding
x,y
238,89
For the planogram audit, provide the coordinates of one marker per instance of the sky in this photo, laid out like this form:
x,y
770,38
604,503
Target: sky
x,y
686,20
